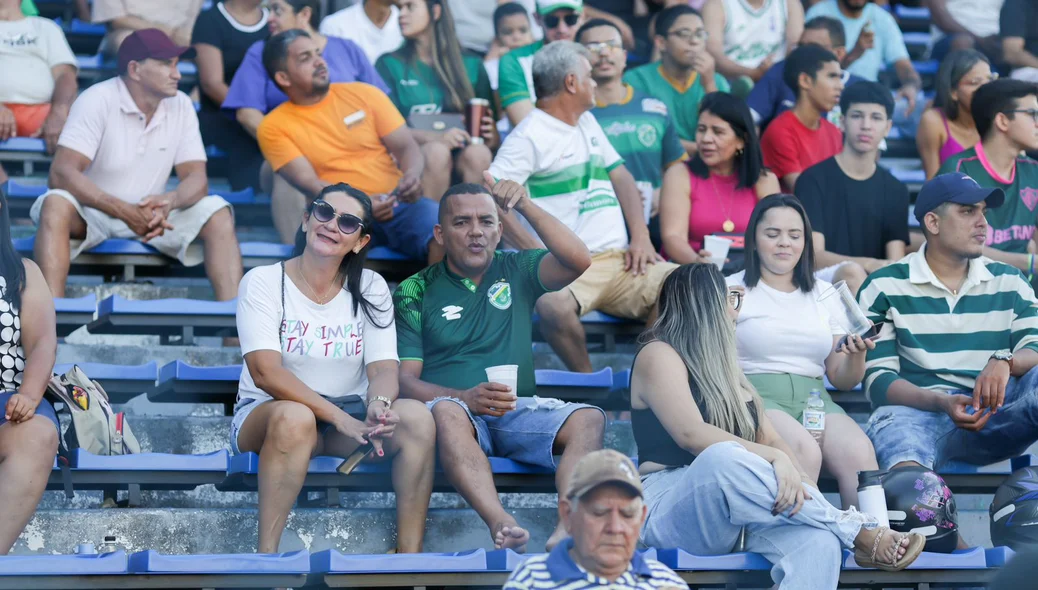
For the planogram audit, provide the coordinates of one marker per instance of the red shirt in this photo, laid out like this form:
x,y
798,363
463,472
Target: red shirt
x,y
789,147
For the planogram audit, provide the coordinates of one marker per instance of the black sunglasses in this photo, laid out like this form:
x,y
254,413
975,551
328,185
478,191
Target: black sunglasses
x,y
323,212
552,20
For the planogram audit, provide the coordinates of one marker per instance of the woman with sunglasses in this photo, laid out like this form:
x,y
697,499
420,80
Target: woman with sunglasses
x,y
321,366
711,462
429,75
787,341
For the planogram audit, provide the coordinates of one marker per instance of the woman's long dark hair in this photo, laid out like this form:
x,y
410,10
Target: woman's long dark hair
x,y
446,58
315,10
749,165
351,269
803,275
953,69
11,266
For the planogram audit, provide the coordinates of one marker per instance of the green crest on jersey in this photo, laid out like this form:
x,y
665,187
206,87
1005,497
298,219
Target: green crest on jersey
x,y
500,295
648,135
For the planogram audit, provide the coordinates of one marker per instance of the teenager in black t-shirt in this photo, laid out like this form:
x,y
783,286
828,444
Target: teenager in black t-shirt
x,y
222,35
858,210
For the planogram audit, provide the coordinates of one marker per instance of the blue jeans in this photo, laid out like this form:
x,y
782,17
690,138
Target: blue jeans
x,y
931,439
702,508
410,230
527,433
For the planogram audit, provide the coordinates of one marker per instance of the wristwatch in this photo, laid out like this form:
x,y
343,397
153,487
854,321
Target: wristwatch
x,y
381,398
1004,355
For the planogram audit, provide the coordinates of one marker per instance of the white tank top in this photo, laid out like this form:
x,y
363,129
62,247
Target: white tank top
x,y
750,35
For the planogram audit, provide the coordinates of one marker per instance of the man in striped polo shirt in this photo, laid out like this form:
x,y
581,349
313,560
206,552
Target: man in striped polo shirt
x,y
953,373
570,169
603,512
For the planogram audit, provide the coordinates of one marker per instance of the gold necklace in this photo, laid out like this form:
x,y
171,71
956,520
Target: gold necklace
x,y
728,226
321,300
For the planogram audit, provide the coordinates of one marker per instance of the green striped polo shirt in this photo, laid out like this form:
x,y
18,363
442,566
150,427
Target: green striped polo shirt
x,y
935,339
515,75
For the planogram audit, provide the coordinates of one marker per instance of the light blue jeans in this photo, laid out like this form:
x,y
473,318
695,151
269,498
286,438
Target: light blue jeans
x,y
702,508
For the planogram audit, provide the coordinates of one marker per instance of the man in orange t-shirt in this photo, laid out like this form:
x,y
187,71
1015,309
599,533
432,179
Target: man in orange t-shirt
x,y
330,133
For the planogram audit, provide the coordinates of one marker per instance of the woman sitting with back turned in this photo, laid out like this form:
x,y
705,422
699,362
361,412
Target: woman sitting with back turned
x,y
712,463
321,368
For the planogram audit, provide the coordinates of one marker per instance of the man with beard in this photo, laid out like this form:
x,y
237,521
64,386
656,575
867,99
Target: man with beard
x,y
352,133
471,312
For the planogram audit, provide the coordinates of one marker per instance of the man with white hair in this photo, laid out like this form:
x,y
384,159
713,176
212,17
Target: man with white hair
x,y
603,511
572,171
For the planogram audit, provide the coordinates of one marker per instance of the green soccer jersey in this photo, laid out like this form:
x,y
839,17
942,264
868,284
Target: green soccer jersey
x,y
1010,226
458,328
642,133
515,75
29,8
683,103
415,88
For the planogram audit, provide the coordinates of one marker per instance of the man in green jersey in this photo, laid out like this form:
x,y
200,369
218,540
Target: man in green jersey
x,y
1006,114
473,311
638,126
685,72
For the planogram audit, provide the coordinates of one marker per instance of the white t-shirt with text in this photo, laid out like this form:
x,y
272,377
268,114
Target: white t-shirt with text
x,y
353,24
29,48
566,171
326,346
786,333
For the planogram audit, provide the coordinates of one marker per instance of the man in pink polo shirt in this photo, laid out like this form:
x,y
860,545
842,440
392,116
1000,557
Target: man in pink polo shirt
x,y
122,140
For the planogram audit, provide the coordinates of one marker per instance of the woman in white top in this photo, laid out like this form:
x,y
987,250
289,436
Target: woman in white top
x,y
321,370
787,341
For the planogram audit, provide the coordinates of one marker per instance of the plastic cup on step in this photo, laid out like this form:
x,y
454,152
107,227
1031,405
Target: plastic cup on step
x,y
505,375
718,249
843,307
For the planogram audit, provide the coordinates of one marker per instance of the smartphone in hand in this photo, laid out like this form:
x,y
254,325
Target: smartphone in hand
x,y
870,335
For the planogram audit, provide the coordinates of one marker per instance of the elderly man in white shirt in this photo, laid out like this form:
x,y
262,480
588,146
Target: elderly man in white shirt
x,y
122,140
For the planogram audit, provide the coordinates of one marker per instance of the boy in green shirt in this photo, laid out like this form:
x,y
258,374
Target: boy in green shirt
x,y
685,72
473,311
1006,114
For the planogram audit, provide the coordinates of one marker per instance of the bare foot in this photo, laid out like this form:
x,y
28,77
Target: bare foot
x,y
556,537
889,545
511,536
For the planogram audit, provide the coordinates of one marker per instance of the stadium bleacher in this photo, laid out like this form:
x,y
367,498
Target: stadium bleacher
x,y
203,480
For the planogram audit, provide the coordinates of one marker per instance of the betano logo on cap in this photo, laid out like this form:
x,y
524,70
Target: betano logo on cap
x,y
550,6
955,187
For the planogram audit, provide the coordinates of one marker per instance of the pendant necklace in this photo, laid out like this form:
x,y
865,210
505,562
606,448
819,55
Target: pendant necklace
x,y
728,226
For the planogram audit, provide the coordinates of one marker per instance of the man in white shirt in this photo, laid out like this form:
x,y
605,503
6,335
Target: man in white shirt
x,y
122,17
965,24
561,154
40,70
374,25
123,138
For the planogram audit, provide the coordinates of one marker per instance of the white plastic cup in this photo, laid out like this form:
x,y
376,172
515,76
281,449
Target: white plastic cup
x,y
844,309
718,249
505,375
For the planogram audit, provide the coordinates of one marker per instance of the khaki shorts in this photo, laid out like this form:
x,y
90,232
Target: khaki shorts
x,y
607,287
789,393
187,223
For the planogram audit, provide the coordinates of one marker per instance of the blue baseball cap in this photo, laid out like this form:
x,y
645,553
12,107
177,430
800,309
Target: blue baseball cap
x,y
955,187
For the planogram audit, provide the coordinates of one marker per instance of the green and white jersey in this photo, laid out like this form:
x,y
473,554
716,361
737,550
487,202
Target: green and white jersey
x,y
640,129
682,98
566,170
515,75
458,328
415,88
750,34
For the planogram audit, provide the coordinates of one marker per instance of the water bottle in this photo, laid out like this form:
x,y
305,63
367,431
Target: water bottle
x,y
814,416
110,545
872,500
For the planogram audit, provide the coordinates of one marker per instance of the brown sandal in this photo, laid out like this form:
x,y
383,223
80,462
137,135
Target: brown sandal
x,y
915,547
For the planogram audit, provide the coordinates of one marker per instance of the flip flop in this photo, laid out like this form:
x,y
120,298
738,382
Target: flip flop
x,y
915,547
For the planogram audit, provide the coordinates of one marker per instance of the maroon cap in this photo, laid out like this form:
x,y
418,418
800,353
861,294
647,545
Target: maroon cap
x,y
149,43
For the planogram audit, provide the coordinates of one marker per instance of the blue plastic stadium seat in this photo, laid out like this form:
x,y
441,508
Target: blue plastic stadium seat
x,y
928,67
597,317
84,304
181,371
104,372
384,253
152,562
552,378
622,380
245,196
331,561
17,190
123,246
1000,468
909,175
999,556
215,462
86,28
63,565
117,305
23,144
912,12
187,68
916,38
90,62
265,250
248,463
506,560
680,560
963,559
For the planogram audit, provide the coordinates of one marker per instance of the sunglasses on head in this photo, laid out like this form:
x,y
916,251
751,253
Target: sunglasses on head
x,y
552,20
323,212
